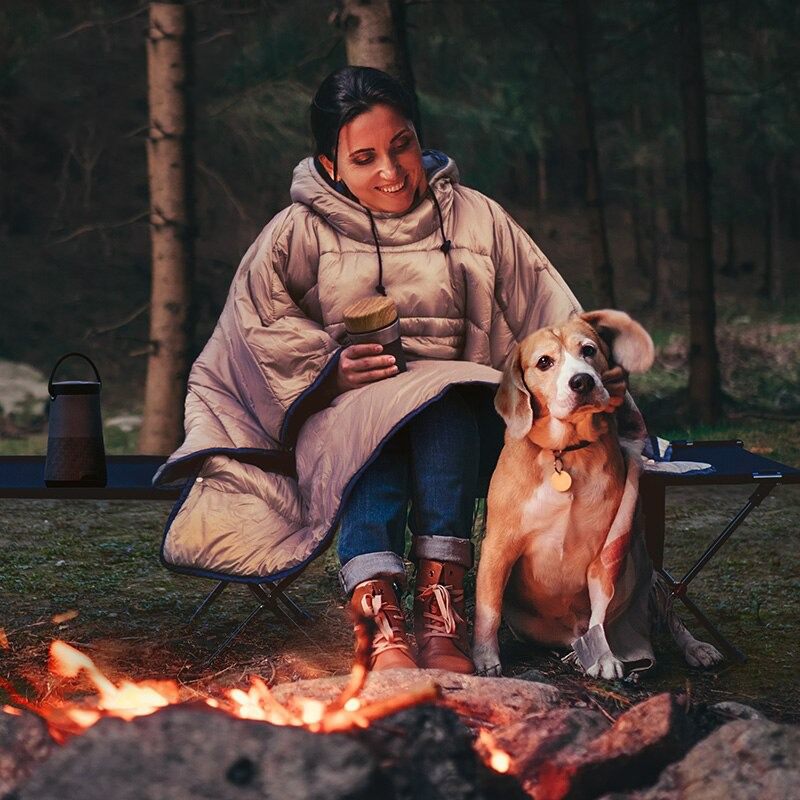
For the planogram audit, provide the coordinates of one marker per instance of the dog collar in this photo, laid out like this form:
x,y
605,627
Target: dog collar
x,y
561,480
581,444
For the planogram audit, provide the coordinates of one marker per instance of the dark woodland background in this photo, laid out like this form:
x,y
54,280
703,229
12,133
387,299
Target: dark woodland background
x,y
496,88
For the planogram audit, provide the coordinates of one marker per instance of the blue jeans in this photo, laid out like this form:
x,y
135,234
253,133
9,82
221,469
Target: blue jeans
x,y
433,461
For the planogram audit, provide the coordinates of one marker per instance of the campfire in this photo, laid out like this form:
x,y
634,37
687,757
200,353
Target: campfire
x,y
128,700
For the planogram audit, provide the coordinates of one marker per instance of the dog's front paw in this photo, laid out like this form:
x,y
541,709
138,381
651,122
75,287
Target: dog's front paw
x,y
607,667
701,654
486,658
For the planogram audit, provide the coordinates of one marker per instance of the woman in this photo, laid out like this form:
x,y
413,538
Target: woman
x,y
371,214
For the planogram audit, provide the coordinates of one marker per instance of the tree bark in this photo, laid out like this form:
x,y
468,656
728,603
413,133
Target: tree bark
x,y
375,36
662,297
705,394
171,226
772,286
639,198
602,270
541,178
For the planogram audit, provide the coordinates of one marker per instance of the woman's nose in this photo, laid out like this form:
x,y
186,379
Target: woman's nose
x,y
388,166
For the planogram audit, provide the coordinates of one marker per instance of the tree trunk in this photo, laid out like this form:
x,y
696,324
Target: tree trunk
x,y
639,199
171,227
602,271
662,296
705,395
541,182
729,267
773,268
375,36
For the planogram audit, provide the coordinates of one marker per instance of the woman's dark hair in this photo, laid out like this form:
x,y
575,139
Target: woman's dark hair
x,y
345,94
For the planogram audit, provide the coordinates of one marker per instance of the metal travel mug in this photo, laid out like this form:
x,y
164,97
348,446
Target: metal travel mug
x,y
75,450
374,320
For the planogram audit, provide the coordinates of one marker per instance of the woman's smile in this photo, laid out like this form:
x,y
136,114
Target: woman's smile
x,y
395,187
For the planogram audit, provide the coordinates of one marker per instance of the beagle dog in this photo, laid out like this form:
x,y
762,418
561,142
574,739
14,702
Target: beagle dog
x,y
563,556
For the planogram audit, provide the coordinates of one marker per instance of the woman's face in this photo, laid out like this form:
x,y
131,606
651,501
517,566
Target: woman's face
x,y
380,160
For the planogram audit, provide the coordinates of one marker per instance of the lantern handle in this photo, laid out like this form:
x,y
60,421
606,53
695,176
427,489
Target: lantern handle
x,y
63,358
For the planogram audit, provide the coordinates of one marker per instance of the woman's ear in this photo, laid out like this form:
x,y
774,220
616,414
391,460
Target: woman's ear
x,y
327,164
513,401
630,344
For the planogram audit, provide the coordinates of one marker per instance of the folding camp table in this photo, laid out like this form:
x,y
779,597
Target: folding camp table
x,y
732,464
129,478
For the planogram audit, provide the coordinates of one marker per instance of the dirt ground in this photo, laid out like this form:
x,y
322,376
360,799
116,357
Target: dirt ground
x,y
101,559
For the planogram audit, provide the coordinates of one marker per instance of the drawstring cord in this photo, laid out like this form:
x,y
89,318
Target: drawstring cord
x,y
380,288
446,244
445,247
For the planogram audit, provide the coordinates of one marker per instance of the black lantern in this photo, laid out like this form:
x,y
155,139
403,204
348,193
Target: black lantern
x,y
75,452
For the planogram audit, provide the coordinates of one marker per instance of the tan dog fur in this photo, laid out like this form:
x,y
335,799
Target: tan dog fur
x,y
541,557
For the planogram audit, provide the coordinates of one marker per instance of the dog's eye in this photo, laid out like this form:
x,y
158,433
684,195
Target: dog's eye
x,y
545,362
588,350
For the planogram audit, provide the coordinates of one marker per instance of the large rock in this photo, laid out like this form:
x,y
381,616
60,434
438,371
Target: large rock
x,y
23,393
195,753
24,743
742,760
628,755
536,740
479,701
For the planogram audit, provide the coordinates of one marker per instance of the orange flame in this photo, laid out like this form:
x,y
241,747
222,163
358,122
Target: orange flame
x,y
497,759
129,700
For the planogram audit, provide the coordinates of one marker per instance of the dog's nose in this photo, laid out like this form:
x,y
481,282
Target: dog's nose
x,y
581,383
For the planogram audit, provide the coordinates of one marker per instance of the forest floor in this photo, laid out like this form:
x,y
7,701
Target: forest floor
x,y
99,559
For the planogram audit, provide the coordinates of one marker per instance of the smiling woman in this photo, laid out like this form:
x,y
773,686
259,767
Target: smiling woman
x,y
372,214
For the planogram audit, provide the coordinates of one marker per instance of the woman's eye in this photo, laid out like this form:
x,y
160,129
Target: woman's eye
x,y
545,362
402,144
362,161
588,350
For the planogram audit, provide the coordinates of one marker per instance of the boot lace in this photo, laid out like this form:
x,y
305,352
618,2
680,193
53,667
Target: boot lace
x,y
442,618
387,636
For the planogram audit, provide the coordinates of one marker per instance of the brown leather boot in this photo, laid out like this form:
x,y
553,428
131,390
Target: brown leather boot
x,y
377,599
440,623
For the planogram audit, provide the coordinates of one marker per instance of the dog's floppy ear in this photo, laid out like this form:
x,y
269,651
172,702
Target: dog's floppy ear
x,y
513,401
630,344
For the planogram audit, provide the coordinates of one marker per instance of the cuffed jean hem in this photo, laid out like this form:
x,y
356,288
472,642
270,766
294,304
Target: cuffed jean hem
x,y
450,549
384,564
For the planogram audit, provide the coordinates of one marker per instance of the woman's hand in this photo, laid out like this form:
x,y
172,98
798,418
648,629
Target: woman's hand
x,y
616,382
360,364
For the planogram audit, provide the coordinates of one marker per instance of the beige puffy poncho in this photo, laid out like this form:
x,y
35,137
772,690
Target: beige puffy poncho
x,y
270,463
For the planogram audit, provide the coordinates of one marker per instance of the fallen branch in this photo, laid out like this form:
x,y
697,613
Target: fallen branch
x,y
101,226
225,188
362,717
130,318
95,23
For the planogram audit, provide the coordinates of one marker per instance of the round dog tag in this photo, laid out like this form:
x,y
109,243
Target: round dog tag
x,y
561,481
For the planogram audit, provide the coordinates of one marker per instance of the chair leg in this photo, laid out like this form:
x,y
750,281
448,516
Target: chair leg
x,y
227,643
299,614
203,607
678,590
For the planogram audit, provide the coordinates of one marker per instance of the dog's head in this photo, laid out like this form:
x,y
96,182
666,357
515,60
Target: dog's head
x,y
557,371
